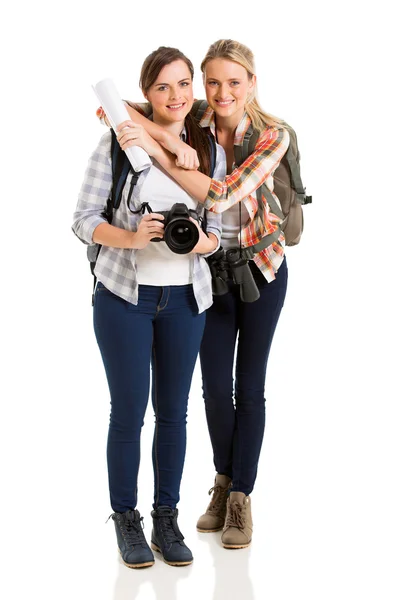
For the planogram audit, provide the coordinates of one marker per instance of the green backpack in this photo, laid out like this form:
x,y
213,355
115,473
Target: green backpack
x,y
288,186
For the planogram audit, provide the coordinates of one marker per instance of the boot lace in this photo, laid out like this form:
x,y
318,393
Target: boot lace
x,y
132,529
218,499
169,530
236,515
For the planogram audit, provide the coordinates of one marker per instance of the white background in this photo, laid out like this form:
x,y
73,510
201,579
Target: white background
x,y
326,504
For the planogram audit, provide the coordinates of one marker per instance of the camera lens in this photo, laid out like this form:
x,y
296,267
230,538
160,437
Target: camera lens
x,y
181,235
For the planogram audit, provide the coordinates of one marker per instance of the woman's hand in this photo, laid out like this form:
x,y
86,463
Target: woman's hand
x,y
101,115
186,157
149,227
130,134
205,244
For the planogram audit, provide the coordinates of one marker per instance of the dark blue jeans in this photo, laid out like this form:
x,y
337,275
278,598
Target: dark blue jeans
x,y
163,330
237,427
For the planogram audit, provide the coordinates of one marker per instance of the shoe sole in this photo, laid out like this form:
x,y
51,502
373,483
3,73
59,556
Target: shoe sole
x,y
138,565
236,546
173,564
209,530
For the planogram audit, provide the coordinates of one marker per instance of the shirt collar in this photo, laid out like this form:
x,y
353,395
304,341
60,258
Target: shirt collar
x,y
208,120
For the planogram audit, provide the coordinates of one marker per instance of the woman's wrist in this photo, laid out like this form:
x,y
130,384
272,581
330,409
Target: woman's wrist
x,y
161,155
132,239
113,237
206,244
164,138
214,241
164,158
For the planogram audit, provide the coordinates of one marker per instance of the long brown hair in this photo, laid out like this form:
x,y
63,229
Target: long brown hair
x,y
197,137
241,54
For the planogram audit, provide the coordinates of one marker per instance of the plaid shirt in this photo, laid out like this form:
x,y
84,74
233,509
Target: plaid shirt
x,y
115,267
241,185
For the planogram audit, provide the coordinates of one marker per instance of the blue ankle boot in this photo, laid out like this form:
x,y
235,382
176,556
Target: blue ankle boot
x,y
132,544
167,539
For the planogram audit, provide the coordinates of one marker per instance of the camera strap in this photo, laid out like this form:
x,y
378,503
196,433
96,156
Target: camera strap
x,y
141,209
240,229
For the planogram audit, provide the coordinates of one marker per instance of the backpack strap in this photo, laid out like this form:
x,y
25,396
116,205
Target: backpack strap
x,y
198,109
250,252
120,168
213,154
292,157
295,177
272,203
249,143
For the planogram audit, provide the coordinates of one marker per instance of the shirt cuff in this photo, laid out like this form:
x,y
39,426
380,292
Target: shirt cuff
x,y
217,234
85,228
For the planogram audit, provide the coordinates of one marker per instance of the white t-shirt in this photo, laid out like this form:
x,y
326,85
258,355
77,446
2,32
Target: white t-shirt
x,y
157,264
231,225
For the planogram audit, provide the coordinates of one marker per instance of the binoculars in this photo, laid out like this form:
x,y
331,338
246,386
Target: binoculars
x,y
230,264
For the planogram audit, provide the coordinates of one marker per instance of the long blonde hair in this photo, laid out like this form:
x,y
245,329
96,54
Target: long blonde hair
x,y
241,54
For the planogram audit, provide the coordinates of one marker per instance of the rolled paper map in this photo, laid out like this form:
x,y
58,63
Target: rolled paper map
x,y
116,112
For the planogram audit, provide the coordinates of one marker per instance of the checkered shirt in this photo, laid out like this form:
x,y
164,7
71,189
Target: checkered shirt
x,y
116,267
241,186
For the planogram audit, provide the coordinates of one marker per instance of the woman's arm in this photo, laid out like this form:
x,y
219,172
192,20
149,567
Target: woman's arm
x,y
141,118
219,196
115,237
89,223
186,157
207,244
94,192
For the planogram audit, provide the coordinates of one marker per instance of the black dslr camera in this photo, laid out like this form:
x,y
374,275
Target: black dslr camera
x,y
231,264
180,233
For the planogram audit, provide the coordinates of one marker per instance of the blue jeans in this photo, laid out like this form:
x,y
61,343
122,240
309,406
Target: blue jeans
x,y
164,329
237,429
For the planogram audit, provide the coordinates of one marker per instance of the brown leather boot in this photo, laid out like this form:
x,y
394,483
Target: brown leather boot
x,y
214,517
238,528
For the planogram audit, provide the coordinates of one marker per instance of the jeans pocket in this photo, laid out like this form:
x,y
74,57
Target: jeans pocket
x,y
100,287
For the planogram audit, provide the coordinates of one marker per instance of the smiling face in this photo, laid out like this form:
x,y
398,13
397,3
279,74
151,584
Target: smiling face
x,y
171,95
228,87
